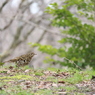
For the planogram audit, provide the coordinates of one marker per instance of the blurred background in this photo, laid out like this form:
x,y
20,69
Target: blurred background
x,y
24,21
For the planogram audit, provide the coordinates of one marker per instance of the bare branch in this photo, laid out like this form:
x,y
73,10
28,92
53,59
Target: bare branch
x,y
44,28
3,5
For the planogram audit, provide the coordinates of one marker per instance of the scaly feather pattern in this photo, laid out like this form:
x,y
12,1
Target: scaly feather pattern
x,y
22,60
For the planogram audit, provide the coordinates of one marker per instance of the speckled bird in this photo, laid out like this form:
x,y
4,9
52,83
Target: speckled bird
x,y
22,60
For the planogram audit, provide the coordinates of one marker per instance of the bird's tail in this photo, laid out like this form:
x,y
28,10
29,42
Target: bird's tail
x,y
6,61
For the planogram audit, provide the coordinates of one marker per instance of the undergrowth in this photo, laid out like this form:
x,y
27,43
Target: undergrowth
x,y
51,81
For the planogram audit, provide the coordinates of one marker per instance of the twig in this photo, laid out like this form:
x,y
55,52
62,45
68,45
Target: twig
x,y
73,63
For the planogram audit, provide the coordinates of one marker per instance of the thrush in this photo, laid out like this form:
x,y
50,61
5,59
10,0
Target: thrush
x,y
22,60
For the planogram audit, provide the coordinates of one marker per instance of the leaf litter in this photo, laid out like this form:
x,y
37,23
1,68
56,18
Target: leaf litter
x,y
54,81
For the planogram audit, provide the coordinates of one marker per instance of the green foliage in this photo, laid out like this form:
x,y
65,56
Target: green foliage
x,y
8,78
38,73
44,92
81,36
1,63
70,88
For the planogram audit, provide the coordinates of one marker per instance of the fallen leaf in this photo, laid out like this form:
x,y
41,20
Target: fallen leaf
x,y
26,71
11,67
1,88
61,82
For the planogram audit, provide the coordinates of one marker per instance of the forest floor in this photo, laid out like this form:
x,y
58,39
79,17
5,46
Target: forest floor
x,y
51,81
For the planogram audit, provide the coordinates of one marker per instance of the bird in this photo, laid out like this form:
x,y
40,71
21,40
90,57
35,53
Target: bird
x,y
22,60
